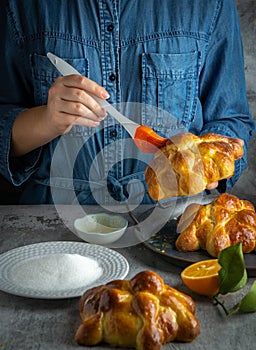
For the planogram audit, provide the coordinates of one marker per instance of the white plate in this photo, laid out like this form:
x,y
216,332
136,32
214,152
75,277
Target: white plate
x,y
113,265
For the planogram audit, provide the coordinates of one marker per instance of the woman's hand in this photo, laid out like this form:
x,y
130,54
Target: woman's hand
x,y
69,103
212,186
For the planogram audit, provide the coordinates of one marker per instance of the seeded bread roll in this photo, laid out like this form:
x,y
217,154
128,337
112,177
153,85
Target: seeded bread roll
x,y
141,313
224,222
188,163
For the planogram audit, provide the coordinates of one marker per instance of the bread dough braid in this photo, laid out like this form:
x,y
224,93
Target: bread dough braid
x,y
142,313
224,222
188,163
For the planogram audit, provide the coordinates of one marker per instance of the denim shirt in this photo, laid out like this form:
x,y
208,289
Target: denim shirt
x,y
173,65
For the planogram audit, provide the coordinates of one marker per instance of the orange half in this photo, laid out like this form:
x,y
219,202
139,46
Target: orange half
x,y
202,277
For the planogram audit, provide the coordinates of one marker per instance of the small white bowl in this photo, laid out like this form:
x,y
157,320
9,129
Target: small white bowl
x,y
100,228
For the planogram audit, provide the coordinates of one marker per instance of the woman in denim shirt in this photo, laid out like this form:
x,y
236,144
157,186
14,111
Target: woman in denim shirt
x,y
173,65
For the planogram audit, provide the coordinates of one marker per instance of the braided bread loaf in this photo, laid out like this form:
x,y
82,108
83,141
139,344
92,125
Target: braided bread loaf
x,y
188,163
142,313
224,222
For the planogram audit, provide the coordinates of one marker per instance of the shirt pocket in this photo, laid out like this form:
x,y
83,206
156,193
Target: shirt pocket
x,y
44,74
170,82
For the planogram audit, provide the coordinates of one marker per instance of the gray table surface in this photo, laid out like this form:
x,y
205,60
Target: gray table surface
x,y
33,324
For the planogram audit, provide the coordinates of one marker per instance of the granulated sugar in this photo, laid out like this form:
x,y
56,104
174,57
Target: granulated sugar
x,y
56,272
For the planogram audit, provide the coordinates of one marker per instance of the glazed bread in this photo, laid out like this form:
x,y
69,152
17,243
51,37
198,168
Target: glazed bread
x,y
188,163
224,222
141,313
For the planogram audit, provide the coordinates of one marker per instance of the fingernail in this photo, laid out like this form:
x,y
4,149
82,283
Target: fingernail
x,y
101,113
105,94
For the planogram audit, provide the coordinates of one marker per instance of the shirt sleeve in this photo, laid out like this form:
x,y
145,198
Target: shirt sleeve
x,y
223,87
15,96
15,169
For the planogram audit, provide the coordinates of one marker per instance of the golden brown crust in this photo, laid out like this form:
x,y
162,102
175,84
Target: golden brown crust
x,y
142,312
188,163
224,222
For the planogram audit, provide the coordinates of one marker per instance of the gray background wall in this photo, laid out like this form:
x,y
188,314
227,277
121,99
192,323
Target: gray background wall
x,y
246,186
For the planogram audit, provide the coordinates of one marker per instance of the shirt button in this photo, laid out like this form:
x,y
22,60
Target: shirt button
x,y
110,27
113,134
112,77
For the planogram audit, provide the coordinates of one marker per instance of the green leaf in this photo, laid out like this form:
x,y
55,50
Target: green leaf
x,y
233,274
241,283
248,303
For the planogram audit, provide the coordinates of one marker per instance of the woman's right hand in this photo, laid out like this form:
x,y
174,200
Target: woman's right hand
x,y
70,103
